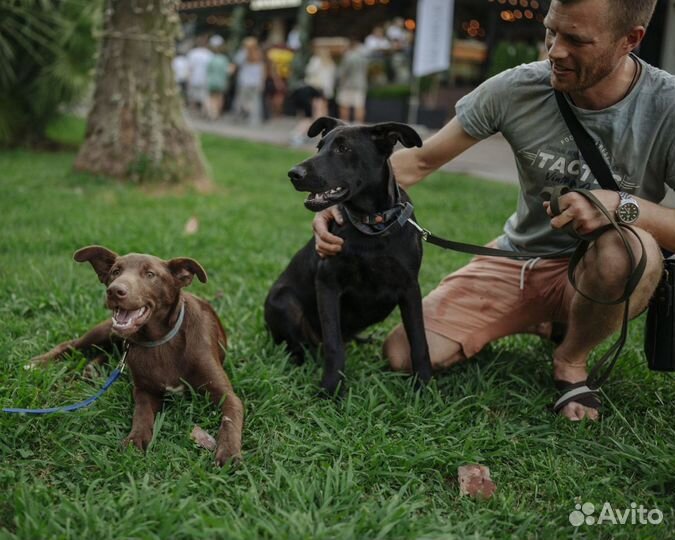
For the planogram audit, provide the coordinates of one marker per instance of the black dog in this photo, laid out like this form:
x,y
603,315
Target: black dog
x,y
330,300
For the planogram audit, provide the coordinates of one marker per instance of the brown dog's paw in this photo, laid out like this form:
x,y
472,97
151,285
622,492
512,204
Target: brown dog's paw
x,y
39,361
225,455
140,440
50,356
91,371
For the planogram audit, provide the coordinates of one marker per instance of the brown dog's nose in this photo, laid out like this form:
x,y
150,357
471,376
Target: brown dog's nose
x,y
117,290
297,173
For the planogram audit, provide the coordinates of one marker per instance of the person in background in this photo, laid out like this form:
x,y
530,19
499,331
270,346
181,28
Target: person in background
x,y
376,42
320,74
250,83
293,39
312,96
275,85
400,59
198,60
217,77
397,34
181,72
352,83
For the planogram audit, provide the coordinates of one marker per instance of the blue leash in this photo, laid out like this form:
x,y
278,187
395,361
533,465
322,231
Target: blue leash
x,y
75,406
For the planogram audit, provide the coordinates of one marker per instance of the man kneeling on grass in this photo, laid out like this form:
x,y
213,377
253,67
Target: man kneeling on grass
x,y
628,107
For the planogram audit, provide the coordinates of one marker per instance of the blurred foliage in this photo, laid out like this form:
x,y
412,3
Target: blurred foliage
x,y
390,91
47,54
402,90
508,54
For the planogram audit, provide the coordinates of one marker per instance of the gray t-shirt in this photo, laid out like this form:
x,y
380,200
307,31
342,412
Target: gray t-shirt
x,y
636,136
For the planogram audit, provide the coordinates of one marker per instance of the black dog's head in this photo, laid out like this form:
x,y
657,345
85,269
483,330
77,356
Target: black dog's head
x,y
350,160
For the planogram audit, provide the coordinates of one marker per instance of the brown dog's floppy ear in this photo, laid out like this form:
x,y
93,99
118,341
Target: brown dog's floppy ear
x,y
184,269
392,132
100,258
323,125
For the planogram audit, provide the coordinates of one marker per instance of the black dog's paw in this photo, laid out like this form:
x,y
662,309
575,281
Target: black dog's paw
x,y
332,388
421,379
297,358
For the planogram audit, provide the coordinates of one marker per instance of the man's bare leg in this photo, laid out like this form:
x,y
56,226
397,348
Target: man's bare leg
x,y
443,352
601,274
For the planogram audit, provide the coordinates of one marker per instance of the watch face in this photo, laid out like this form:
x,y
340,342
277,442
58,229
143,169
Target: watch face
x,y
628,212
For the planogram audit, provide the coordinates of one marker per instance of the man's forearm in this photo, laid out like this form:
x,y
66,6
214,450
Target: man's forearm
x,y
659,221
413,164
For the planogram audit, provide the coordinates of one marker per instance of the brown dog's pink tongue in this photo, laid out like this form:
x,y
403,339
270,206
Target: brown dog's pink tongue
x,y
123,316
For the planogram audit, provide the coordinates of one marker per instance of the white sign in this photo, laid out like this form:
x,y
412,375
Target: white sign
x,y
432,37
260,5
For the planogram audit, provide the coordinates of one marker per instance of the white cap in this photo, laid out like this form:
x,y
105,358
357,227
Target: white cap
x,y
216,40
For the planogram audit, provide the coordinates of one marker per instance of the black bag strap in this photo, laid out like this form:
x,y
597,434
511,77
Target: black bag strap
x,y
586,145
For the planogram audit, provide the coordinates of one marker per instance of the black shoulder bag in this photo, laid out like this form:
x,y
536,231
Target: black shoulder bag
x,y
659,345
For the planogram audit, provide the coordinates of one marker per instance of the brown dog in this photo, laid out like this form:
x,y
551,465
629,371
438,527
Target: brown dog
x,y
173,336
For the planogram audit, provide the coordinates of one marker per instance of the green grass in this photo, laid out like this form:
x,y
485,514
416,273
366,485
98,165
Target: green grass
x,y
380,464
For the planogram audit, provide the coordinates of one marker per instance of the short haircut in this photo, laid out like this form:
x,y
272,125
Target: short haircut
x,y
626,14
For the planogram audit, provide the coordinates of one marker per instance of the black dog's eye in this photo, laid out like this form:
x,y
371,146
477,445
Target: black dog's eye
x,y
150,275
342,148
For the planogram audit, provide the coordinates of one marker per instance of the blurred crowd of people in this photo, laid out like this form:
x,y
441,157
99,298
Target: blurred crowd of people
x,y
252,83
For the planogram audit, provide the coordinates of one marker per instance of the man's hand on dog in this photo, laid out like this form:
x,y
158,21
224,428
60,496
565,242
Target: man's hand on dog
x,y
579,211
327,244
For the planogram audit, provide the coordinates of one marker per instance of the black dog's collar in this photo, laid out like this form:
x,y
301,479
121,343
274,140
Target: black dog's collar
x,y
380,222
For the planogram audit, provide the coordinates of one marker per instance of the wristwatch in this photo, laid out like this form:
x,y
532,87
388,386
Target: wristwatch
x,y
628,210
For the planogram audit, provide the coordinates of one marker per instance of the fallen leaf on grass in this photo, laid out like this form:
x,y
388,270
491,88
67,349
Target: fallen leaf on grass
x,y
191,226
202,438
474,481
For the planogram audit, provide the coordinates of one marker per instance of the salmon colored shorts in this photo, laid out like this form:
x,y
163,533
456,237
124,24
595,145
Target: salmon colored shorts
x,y
493,297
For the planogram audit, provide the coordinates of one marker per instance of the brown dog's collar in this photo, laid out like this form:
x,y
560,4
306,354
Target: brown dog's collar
x,y
168,337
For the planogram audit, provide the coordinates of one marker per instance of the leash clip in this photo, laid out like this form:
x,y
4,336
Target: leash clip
x,y
123,360
423,232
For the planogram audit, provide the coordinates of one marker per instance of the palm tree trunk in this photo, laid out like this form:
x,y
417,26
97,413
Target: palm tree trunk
x,y
135,129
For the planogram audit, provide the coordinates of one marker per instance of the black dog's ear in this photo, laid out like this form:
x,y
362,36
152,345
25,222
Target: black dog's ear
x,y
393,132
100,258
184,269
323,125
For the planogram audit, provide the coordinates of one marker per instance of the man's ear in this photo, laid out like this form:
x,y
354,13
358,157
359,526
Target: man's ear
x,y
389,133
633,38
323,125
184,269
100,258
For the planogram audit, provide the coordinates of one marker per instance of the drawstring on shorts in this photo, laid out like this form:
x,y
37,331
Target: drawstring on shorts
x,y
529,264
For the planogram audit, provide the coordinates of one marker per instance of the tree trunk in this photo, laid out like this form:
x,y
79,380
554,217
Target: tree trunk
x,y
135,128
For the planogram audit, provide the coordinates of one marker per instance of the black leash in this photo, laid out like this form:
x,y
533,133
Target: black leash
x,y
596,378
